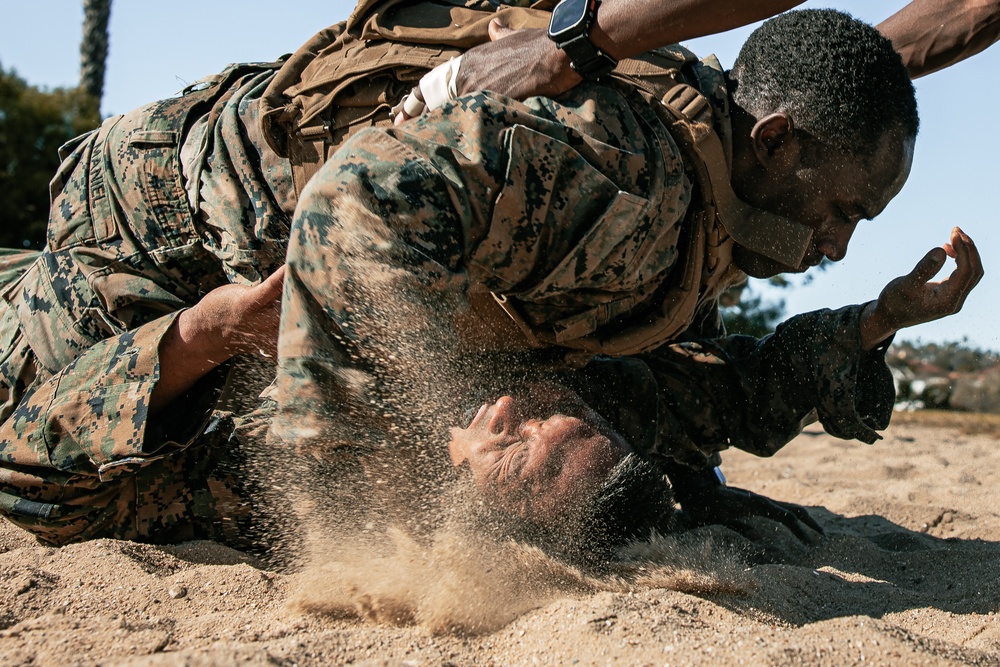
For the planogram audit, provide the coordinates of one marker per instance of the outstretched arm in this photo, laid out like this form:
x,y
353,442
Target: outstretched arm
x,y
932,35
929,34
756,395
527,63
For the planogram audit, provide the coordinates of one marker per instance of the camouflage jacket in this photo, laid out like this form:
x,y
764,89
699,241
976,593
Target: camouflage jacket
x,y
511,226
688,401
491,229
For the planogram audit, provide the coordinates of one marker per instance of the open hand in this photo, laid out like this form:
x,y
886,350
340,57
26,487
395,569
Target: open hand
x,y
912,299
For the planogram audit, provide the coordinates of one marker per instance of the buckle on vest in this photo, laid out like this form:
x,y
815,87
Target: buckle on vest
x,y
686,103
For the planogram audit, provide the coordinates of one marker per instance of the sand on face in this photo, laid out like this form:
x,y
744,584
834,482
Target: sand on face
x,y
909,574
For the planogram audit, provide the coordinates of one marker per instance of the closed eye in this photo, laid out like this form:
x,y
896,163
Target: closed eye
x,y
515,456
511,460
844,216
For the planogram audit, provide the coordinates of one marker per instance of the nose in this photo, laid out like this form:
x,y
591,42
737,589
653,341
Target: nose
x,y
833,244
501,415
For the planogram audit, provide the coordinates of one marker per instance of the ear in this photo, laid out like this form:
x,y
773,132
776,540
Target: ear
x,y
774,142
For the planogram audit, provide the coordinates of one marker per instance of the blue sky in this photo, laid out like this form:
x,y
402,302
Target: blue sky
x,y
158,48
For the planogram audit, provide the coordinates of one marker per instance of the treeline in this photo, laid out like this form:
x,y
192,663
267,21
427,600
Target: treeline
x,y
954,357
34,123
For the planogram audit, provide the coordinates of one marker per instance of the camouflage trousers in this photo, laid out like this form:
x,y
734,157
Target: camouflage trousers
x,y
71,466
80,325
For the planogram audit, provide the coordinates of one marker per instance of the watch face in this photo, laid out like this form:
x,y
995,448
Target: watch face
x,y
567,15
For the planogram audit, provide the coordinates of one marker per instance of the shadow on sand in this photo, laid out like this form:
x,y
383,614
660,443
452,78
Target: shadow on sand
x,y
867,566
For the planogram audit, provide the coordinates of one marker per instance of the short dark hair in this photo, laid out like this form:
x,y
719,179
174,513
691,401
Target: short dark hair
x,y
633,500
841,79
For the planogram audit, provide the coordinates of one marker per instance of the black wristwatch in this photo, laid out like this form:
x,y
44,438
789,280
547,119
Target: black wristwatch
x,y
569,28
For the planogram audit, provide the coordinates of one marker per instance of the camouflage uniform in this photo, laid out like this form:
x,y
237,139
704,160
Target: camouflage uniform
x,y
149,212
493,239
688,401
464,250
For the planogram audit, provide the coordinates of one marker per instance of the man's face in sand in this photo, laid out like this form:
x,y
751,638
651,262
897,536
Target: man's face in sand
x,y
539,469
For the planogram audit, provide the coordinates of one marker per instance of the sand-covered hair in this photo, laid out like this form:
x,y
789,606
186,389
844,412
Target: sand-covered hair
x,y
839,77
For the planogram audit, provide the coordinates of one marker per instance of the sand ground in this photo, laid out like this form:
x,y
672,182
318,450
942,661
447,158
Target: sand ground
x,y
909,574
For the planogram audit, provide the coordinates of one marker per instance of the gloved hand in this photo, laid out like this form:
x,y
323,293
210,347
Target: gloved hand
x,y
706,500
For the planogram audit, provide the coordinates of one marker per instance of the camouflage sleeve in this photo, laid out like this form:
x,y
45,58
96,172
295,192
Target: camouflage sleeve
x,y
391,232
358,298
757,395
95,412
814,362
74,438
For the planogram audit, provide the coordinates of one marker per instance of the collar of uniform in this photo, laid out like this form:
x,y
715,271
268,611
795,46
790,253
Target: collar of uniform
x,y
781,239
710,80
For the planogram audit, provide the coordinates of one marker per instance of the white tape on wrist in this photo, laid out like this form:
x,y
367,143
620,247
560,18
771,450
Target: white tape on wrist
x,y
413,104
440,84
434,89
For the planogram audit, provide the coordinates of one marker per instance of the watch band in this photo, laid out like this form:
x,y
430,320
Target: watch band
x,y
569,28
589,61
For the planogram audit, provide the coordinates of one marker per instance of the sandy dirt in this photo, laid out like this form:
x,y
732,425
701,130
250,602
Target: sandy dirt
x,y
909,574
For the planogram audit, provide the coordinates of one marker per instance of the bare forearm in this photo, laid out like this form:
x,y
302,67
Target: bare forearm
x,y
526,62
629,27
229,320
188,352
931,34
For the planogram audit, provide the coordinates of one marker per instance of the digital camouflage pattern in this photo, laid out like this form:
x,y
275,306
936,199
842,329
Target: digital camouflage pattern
x,y
688,401
80,458
544,204
81,322
492,227
427,264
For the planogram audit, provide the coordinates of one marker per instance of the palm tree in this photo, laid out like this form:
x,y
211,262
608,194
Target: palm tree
x,y
94,47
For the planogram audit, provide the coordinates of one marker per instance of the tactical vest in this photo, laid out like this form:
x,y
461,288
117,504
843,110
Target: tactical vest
x,y
350,75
